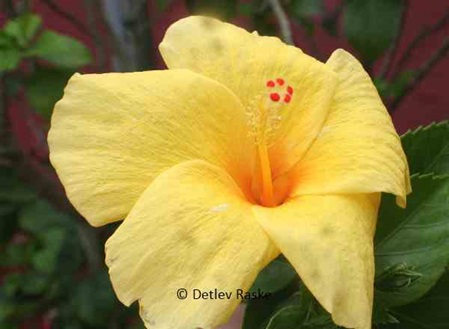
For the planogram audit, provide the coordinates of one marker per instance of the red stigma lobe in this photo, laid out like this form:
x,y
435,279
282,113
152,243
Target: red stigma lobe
x,y
275,97
270,84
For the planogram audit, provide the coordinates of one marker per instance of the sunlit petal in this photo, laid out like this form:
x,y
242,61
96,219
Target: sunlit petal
x,y
193,229
111,134
358,149
254,68
329,241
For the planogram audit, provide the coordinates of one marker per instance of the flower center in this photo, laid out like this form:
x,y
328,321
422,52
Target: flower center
x,y
265,114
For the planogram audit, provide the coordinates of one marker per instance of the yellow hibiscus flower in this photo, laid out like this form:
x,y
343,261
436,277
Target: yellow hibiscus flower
x,y
244,148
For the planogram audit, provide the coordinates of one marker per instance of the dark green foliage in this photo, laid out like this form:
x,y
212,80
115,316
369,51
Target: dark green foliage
x,y
431,311
275,277
395,88
59,50
427,149
22,40
215,8
371,25
304,10
14,37
45,87
307,8
163,4
417,237
45,264
23,29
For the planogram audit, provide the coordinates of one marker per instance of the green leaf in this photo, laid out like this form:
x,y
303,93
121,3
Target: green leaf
x,y
429,312
6,41
259,311
25,283
215,8
44,88
45,259
304,10
298,309
330,22
71,253
301,310
307,8
13,85
15,35
8,222
16,254
397,277
137,326
39,217
291,312
274,277
286,318
23,28
6,308
371,25
245,9
60,50
427,149
395,88
57,234
163,4
381,315
11,284
12,190
34,283
382,86
277,278
398,86
94,300
53,231
9,59
416,237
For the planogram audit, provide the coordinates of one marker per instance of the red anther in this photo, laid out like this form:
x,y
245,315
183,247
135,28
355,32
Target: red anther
x,y
270,83
287,98
290,90
275,97
280,81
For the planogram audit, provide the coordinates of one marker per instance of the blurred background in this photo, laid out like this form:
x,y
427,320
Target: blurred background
x,y
52,273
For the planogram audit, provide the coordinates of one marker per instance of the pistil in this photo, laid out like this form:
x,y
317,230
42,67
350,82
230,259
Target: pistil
x,y
266,198
264,115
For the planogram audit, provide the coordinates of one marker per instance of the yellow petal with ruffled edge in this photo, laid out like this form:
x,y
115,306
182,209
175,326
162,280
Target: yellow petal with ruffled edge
x,y
192,229
329,241
112,134
358,149
245,62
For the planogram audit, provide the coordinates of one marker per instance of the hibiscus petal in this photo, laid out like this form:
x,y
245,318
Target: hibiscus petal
x,y
193,229
112,134
329,241
358,149
250,65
